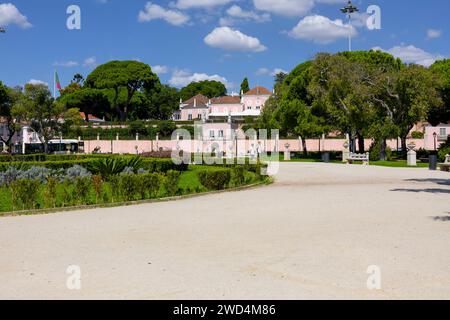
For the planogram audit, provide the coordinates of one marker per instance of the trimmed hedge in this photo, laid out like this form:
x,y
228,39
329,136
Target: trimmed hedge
x,y
39,157
215,179
152,165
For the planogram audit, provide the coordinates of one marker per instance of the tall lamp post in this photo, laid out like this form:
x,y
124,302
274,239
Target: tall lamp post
x,y
435,141
349,10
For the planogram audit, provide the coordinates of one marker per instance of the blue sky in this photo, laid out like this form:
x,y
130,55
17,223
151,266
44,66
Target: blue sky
x,y
185,40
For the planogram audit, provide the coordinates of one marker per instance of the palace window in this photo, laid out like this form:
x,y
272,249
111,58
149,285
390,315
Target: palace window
x,y
190,117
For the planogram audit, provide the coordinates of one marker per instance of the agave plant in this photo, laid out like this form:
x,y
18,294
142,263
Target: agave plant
x,y
108,167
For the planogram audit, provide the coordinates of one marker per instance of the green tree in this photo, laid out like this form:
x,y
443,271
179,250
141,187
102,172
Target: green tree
x,y
208,88
407,96
162,102
441,114
45,116
245,87
7,99
133,76
87,100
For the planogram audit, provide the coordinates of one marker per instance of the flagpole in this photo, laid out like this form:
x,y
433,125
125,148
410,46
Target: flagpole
x,y
54,85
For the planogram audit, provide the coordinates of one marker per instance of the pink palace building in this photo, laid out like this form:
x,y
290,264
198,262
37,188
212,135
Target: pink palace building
x,y
223,109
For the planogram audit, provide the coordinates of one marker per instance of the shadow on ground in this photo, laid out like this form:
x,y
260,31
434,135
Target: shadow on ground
x,y
442,218
440,182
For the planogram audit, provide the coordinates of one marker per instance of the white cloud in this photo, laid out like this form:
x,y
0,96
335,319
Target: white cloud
x,y
154,11
181,78
322,30
90,62
236,13
267,72
434,33
37,82
188,4
233,40
412,54
160,69
289,8
9,15
66,64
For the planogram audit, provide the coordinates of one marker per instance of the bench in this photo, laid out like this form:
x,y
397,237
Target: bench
x,y
446,165
364,157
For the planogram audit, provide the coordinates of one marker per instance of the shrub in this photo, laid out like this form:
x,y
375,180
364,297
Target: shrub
x,y
82,187
444,149
77,171
50,192
113,166
215,179
375,152
129,186
150,182
97,182
67,193
238,177
24,193
171,182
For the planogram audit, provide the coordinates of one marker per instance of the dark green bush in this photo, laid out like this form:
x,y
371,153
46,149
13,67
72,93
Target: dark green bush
x,y
129,186
238,177
171,181
151,183
215,179
375,152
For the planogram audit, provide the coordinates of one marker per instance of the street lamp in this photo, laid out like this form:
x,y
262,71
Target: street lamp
x,y
435,141
349,10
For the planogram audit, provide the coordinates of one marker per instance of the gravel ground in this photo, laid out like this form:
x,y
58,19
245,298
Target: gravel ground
x,y
312,234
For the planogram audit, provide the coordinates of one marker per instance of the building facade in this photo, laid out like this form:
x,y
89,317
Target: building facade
x,y
220,109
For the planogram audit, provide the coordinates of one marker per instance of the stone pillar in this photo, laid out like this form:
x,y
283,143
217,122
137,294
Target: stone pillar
x,y
412,158
287,152
137,136
346,152
98,136
277,142
117,137
300,144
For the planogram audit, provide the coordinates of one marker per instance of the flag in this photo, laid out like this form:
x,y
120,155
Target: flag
x,y
58,84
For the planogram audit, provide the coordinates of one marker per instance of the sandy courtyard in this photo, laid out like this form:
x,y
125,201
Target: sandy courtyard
x,y
312,234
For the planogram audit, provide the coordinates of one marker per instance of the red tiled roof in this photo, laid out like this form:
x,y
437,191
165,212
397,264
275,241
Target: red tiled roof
x,y
201,99
226,100
258,91
90,117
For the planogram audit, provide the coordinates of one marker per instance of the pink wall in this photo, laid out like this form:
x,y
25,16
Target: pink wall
x,y
129,147
194,112
226,108
255,101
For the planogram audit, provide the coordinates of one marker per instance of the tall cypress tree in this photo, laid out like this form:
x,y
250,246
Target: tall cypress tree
x,y
245,86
